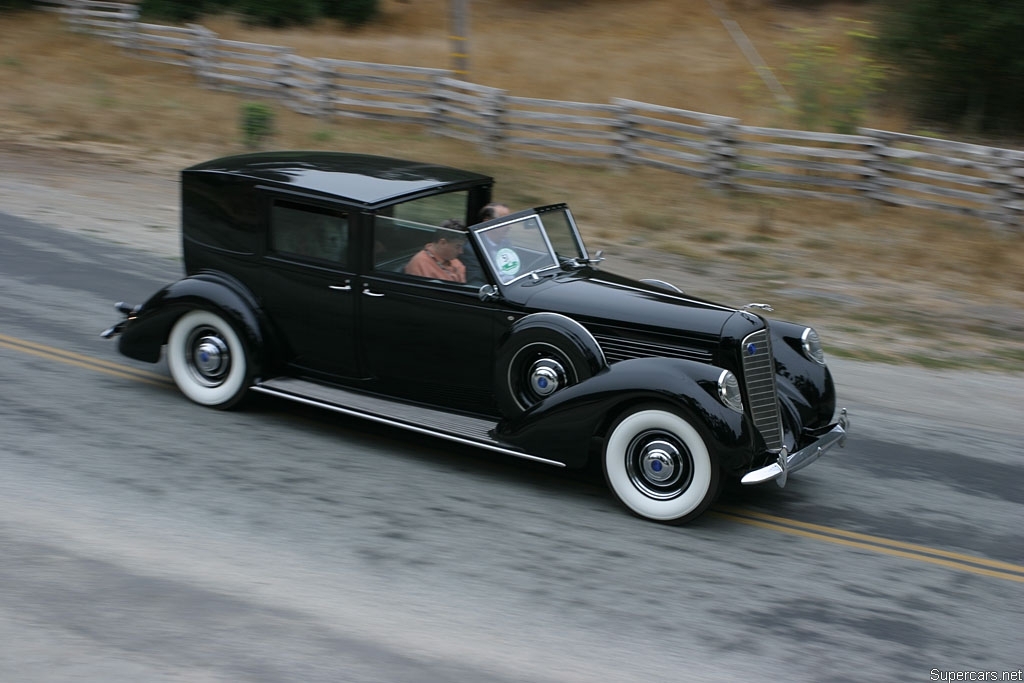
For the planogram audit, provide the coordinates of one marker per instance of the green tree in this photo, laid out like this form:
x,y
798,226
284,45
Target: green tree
x,y
172,10
279,13
352,12
960,63
6,5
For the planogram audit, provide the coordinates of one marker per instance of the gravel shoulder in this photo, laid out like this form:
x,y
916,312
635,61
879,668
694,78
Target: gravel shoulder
x,y
105,193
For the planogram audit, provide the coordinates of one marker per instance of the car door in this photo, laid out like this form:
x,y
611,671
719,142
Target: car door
x,y
422,338
307,285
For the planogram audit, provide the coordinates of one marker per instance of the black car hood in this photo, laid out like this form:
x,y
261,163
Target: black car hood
x,y
597,296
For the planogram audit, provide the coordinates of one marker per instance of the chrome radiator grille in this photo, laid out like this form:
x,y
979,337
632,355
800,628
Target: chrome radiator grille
x,y
759,376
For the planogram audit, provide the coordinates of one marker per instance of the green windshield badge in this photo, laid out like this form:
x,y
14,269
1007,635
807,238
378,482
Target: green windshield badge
x,y
507,262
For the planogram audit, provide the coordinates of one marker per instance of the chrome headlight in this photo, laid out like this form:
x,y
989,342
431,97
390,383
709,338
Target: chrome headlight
x,y
810,342
729,391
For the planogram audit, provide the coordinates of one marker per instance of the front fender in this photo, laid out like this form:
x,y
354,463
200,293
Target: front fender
x,y
571,329
147,329
562,426
805,387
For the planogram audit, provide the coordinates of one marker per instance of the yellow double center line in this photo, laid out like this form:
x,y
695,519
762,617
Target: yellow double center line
x,y
877,544
82,361
851,539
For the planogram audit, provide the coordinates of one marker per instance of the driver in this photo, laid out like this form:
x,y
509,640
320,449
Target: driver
x,y
439,259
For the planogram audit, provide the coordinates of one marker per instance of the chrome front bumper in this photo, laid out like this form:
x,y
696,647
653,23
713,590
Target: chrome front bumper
x,y
791,462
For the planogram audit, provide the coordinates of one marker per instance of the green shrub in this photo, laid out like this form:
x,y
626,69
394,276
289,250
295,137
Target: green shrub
x,y
831,89
256,123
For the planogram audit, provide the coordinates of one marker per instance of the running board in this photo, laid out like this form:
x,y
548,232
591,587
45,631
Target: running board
x,y
463,429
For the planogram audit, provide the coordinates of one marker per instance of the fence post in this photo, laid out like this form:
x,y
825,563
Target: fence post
x,y
438,98
1010,193
1018,190
874,175
130,31
203,54
494,122
286,80
722,154
73,14
327,90
625,134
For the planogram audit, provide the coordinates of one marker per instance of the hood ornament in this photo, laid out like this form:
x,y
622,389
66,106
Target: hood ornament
x,y
764,307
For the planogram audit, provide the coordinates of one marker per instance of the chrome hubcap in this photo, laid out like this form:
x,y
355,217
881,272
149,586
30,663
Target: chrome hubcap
x,y
659,461
546,376
210,357
659,465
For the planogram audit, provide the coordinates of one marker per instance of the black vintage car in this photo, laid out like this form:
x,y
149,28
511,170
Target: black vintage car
x,y
296,286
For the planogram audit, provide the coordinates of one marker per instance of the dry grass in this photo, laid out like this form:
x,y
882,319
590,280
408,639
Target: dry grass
x,y
919,285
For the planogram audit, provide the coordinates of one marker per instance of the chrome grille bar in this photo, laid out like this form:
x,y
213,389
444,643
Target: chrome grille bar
x,y
759,377
616,349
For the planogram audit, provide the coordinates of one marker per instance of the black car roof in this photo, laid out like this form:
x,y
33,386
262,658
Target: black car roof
x,y
361,178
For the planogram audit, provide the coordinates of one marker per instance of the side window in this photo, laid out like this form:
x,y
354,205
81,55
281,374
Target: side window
x,y
401,232
397,241
309,231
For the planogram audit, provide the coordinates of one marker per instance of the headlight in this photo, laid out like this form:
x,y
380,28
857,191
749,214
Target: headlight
x,y
729,391
811,344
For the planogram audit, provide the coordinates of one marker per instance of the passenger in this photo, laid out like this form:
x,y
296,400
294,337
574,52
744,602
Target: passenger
x,y
491,241
440,258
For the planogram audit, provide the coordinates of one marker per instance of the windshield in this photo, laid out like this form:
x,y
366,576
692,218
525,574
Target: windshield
x,y
531,242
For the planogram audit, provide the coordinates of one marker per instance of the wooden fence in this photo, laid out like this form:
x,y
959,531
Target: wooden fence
x,y
880,166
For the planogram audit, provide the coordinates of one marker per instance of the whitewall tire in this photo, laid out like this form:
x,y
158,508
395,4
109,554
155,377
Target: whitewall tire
x,y
207,360
659,466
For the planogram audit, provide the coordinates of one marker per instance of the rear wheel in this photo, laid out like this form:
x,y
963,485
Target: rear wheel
x,y
659,466
207,360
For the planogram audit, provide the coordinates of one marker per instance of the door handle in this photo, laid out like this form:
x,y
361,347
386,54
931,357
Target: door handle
x,y
342,288
368,292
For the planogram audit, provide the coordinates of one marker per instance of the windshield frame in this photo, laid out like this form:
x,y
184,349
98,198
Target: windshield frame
x,y
536,215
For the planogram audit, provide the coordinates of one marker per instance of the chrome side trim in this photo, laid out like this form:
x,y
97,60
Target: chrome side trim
x,y
485,442
616,349
668,286
786,463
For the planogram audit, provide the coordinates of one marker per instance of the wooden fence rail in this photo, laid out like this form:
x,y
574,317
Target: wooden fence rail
x,y
879,166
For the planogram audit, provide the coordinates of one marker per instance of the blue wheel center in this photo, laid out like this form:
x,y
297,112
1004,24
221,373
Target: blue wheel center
x,y
542,382
204,356
656,466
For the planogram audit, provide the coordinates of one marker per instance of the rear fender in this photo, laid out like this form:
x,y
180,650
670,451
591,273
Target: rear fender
x,y
563,425
148,328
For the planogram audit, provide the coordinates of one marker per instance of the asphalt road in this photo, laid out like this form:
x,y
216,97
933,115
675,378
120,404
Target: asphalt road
x,y
143,538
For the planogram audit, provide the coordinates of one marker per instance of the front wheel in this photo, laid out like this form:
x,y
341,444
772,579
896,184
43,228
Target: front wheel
x,y
207,360
659,466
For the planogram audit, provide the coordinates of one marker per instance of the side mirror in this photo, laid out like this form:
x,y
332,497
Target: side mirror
x,y
488,292
598,257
